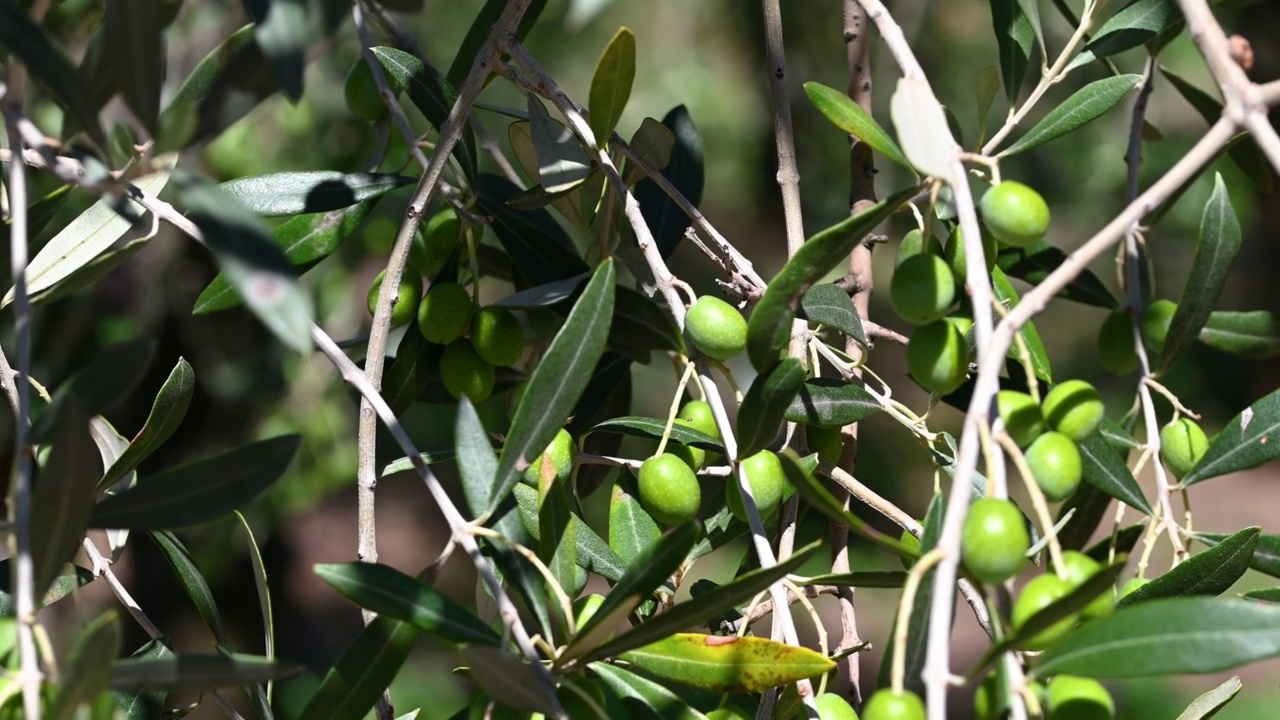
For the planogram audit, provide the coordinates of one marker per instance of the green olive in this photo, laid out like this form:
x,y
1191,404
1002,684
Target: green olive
x,y
1014,213
716,328
915,243
1021,416
1132,584
938,357
1078,568
922,289
497,336
832,706
699,416
1055,464
955,254
445,312
1078,698
407,298
556,459
1074,408
694,457
669,490
434,243
1182,445
887,705
1039,593
1155,323
466,373
994,541
767,481
1115,344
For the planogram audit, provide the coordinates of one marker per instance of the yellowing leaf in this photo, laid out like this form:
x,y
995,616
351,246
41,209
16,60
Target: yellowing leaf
x,y
728,664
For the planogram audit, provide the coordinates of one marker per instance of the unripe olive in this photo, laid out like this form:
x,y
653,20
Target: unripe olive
x,y
922,289
1038,594
994,541
1074,408
557,458
361,91
1132,584
1182,444
669,490
434,242
716,328
694,457
915,243
832,706
1078,698
730,712
1014,213
1021,416
1055,464
956,257
767,481
827,442
407,298
1155,323
445,312
938,357
885,704
699,416
1115,344
465,373
497,336
1078,568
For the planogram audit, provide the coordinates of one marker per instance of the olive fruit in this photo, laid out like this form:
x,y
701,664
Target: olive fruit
x,y
922,289
1074,408
1115,344
1132,584
1155,323
732,712
995,541
361,91
1078,698
1055,464
434,242
408,295
1014,213
445,312
938,357
915,243
465,373
699,416
1039,593
1182,444
556,458
717,329
832,706
1078,568
955,253
885,704
767,481
827,442
497,336
1021,416
694,457
669,490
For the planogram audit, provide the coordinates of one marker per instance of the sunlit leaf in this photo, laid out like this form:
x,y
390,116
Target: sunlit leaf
x,y
922,128
631,529
167,412
1253,334
1134,25
562,162
592,552
828,305
64,495
727,664
1005,293
1249,440
504,675
1207,573
766,403
848,116
1208,704
611,84
1014,37
434,95
831,403
643,697
295,193
1084,106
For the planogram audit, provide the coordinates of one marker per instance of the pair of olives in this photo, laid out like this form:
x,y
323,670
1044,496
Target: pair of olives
x,y
1067,697
1050,431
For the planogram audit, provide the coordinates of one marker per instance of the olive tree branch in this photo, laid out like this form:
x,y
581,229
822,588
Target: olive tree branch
x,y
783,134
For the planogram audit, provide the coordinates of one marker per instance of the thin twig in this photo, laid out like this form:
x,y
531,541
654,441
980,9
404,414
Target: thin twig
x,y
783,135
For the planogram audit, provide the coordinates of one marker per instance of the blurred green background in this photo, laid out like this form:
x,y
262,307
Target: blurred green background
x,y
709,56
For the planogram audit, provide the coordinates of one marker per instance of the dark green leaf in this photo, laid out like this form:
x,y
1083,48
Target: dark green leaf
x,y
243,79
1006,294
1208,704
642,698
180,117
477,463
98,386
1116,436
199,491
1034,263
653,428
387,591
1125,541
366,668
1253,334
593,553
562,162
848,116
1105,470
1217,245
1137,23
1266,556
770,327
295,193
1084,106
631,529
545,295
402,382
652,567
828,305
64,496
258,695
539,249
917,624
166,414
611,84
1171,636
744,664
639,323
686,173
73,578
192,581
823,501
830,403
1249,440
200,672
252,262
432,94
39,214
142,705
558,380
1087,505
479,32
765,404
135,50
85,675
1207,573
1270,595
305,240
653,142
1014,36
508,677
48,63
889,579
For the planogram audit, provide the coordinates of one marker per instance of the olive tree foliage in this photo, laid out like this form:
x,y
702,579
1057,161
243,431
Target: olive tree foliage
x,y
732,460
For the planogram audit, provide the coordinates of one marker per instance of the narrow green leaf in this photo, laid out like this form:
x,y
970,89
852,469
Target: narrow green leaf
x,y
199,491
143,705
1084,106
769,329
593,553
652,567
886,579
653,428
1266,556
295,193
430,457
1208,704
1032,13
1014,37
1116,436
242,79
433,94
192,581
830,403
1101,582
477,463
252,262
562,162
922,127
387,591
1171,636
988,86
848,116
200,672
558,380
73,578
631,529
611,84
1087,507
823,501
479,32
643,697
556,534
917,624
64,496
1126,539
366,668
828,305
765,405
654,143
545,295
1138,22
167,412
1207,573
305,240
506,676
135,51
687,174
39,214
89,668
639,324
540,250
1253,334
1006,294
264,591
179,118
1249,440
1035,262
1242,150
733,664
1106,471
1217,245
1270,595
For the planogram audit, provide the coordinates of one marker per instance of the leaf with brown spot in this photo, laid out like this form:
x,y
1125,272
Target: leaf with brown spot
x,y
748,664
